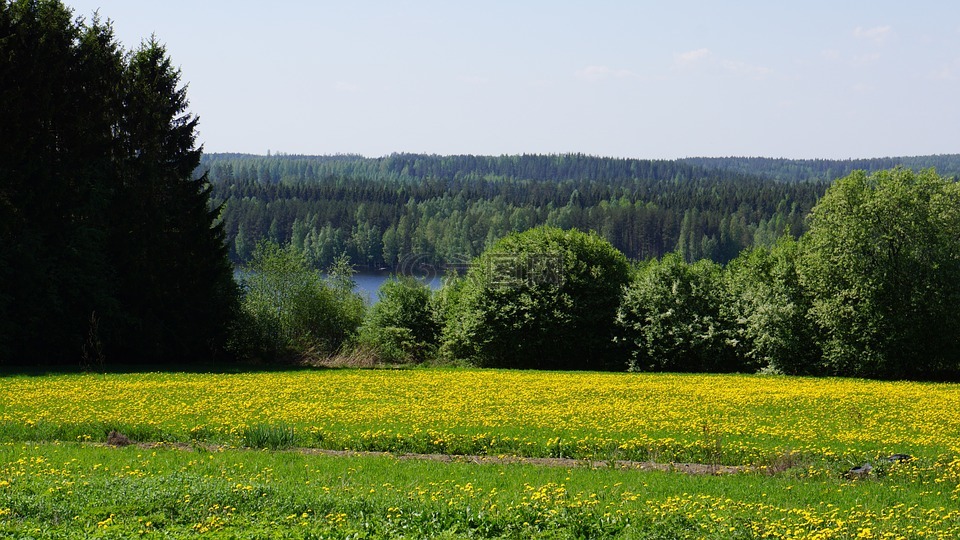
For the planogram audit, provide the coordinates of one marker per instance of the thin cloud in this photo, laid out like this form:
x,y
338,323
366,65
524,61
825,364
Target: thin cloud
x,y
831,54
948,72
704,56
343,86
692,57
865,59
474,80
878,34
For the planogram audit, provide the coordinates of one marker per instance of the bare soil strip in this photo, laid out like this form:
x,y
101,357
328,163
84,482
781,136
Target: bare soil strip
x,y
684,468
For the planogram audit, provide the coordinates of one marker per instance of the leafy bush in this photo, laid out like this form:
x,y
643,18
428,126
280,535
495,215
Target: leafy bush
x,y
290,309
672,318
771,309
543,299
401,325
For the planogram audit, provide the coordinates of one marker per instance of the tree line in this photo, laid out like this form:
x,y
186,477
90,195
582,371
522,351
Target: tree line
x,y
869,290
804,170
403,210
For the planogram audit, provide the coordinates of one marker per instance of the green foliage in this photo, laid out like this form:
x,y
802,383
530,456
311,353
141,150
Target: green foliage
x,y
803,170
881,263
174,275
290,309
673,319
401,326
273,436
543,299
771,309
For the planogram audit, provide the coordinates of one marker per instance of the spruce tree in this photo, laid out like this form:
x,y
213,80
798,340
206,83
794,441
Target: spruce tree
x,y
56,118
109,248
177,282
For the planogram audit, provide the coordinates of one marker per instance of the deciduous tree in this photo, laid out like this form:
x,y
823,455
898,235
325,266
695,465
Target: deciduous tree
x,y
881,262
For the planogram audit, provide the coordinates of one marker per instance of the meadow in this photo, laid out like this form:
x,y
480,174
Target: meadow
x,y
227,455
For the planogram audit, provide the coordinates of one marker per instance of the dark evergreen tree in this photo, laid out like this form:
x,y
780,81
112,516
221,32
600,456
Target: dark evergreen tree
x,y
177,283
57,109
109,249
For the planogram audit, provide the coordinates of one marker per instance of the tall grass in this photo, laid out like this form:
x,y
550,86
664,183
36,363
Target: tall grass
x,y
269,436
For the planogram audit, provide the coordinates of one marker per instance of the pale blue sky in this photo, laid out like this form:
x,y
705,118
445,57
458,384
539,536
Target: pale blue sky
x,y
671,79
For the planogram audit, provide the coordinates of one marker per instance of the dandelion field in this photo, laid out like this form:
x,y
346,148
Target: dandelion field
x,y
194,471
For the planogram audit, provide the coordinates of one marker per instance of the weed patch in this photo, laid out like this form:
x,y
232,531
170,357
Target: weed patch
x,y
269,436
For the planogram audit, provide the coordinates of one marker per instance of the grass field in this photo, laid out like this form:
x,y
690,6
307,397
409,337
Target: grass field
x,y
796,436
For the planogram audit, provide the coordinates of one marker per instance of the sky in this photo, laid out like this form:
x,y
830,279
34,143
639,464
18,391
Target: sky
x,y
640,79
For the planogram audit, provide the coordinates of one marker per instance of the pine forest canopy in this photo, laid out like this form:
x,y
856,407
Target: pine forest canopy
x,y
384,212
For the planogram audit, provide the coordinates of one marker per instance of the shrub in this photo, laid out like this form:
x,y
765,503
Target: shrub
x,y
672,318
543,299
401,325
290,309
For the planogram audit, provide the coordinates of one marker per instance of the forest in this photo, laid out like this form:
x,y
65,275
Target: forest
x,y
405,210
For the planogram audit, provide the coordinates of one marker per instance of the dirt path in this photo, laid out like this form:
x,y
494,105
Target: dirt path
x,y
684,468
687,468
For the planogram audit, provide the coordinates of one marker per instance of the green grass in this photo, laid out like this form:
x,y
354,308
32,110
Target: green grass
x,y
272,436
58,490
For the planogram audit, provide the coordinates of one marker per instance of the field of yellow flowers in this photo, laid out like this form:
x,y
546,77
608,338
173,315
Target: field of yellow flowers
x,y
726,419
796,437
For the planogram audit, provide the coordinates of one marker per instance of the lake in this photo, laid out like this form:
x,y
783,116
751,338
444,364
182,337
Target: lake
x,y
368,282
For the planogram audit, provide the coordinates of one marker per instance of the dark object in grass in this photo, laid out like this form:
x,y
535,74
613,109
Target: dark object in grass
x,y
859,472
899,458
115,438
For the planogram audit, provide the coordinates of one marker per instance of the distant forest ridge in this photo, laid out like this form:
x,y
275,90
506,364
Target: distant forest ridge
x,y
575,166
403,210
802,170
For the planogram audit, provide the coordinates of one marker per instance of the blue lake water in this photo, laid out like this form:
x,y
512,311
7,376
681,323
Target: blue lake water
x,y
369,282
